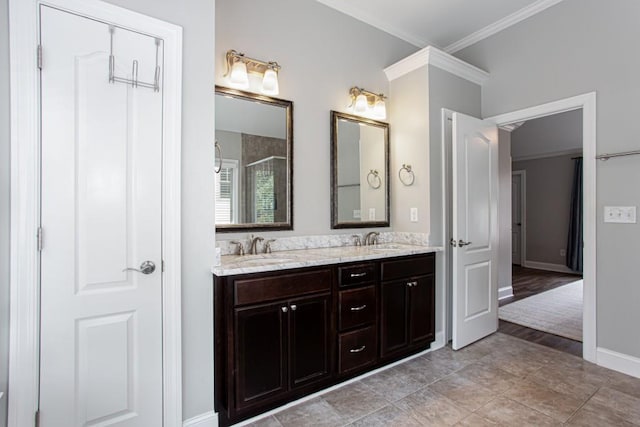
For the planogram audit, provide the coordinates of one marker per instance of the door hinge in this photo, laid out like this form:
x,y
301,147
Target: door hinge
x,y
37,418
39,57
162,263
39,237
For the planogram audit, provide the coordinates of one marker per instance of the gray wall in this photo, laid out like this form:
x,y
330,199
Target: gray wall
x,y
197,19
322,53
548,194
5,163
559,134
575,47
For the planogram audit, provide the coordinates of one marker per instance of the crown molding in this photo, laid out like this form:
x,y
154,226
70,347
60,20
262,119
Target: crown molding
x,y
360,15
502,24
437,58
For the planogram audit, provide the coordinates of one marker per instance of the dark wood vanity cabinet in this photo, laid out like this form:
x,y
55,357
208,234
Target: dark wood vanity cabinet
x,y
282,335
407,305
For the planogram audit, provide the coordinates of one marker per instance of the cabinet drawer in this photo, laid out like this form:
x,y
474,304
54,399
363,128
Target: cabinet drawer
x,y
357,274
283,286
417,266
357,307
357,349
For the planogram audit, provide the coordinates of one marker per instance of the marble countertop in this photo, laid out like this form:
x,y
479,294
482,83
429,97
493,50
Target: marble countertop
x,y
283,260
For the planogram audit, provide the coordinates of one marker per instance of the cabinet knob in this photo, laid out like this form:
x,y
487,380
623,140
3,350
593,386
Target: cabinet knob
x,y
412,284
293,307
285,309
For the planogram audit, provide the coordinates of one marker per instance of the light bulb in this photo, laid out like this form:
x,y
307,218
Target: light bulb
x,y
270,82
380,109
361,104
239,78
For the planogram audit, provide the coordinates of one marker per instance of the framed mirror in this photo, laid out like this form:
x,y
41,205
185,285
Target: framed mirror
x,y
254,162
359,172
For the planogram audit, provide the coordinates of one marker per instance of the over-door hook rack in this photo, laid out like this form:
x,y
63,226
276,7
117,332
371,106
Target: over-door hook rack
x,y
133,81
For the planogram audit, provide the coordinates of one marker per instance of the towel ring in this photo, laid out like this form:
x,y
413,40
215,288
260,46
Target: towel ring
x,y
409,176
376,179
218,151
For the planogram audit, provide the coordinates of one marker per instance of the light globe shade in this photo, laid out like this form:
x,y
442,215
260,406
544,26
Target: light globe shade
x,y
270,82
380,109
239,78
361,104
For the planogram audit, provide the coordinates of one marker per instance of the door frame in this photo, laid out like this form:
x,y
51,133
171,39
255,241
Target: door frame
x,y
523,216
586,102
24,338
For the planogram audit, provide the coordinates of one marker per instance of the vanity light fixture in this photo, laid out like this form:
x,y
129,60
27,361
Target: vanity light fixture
x,y
239,66
367,103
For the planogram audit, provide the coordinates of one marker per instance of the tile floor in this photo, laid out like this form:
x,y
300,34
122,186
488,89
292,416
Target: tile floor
x,y
501,380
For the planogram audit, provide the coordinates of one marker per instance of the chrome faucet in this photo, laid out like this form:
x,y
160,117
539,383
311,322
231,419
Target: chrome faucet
x,y
371,238
356,240
253,246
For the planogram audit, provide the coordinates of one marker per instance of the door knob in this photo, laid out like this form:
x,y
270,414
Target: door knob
x,y
146,267
462,243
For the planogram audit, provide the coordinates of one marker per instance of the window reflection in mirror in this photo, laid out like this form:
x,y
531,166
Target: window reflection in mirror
x,y
253,187
360,164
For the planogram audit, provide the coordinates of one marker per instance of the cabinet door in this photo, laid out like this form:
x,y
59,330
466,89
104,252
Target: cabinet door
x,y
309,340
421,309
260,353
393,317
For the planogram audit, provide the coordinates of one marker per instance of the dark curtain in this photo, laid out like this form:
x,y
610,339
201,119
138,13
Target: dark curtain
x,y
574,241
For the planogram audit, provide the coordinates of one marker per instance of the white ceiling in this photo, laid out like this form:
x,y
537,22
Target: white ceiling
x,y
450,25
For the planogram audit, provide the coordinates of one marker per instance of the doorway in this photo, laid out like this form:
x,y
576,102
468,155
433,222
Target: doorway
x,y
518,216
585,103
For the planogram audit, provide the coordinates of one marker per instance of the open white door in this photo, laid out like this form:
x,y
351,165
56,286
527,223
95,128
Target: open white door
x,y
475,229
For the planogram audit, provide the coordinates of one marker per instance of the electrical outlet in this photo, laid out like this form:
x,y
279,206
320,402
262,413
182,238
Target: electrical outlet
x,y
563,252
414,214
620,214
372,214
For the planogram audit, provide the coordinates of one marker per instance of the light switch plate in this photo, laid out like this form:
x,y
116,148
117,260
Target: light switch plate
x,y
372,214
356,213
620,214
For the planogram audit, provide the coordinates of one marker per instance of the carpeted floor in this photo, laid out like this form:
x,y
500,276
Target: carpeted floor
x,y
558,311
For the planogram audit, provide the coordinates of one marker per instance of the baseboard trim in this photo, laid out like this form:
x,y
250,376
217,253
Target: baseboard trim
x,y
505,292
559,268
618,361
208,419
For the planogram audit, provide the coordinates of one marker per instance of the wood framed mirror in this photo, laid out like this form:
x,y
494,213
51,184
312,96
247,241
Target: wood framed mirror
x,y
359,172
254,162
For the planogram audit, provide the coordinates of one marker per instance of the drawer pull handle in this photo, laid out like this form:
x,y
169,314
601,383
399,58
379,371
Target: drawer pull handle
x,y
357,350
359,274
359,308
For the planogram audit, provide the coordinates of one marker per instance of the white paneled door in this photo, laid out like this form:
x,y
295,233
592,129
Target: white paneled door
x,y
101,322
475,229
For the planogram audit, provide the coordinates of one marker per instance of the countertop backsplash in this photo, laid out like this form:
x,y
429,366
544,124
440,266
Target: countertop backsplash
x,y
323,241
